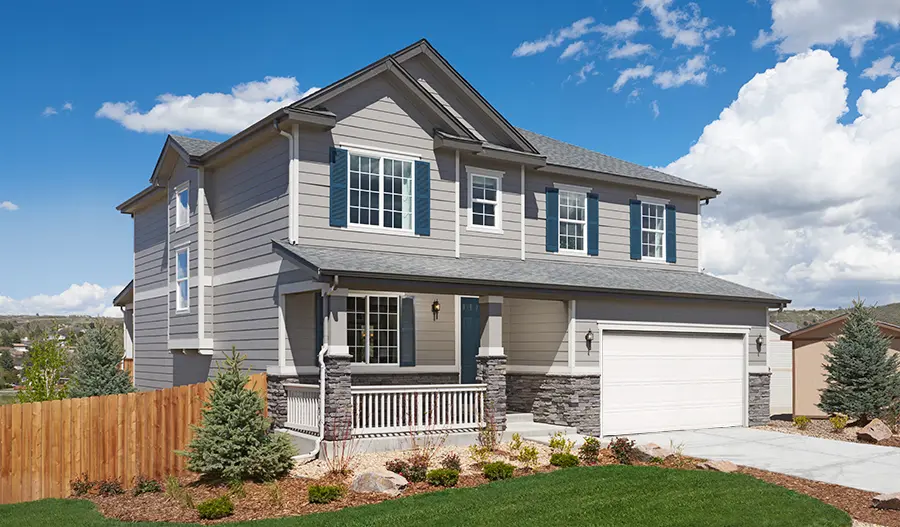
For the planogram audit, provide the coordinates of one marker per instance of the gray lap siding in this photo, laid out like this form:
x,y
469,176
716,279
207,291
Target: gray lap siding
x,y
153,362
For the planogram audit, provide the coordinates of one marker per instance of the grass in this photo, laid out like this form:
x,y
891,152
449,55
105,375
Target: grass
x,y
8,398
597,496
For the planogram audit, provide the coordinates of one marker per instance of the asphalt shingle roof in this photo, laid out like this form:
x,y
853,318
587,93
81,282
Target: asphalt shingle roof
x,y
517,273
565,154
193,146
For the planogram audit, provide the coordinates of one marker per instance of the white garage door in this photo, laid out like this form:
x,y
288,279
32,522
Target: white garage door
x,y
655,382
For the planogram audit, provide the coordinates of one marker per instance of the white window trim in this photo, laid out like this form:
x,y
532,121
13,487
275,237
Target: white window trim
x,y
662,203
399,313
498,206
381,155
187,307
186,186
559,222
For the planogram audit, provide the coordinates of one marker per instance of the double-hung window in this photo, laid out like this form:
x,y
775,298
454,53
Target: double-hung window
x,y
484,200
182,205
572,220
182,280
653,230
373,329
381,192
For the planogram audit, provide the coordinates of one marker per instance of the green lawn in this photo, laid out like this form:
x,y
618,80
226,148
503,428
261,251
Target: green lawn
x,y
8,398
611,496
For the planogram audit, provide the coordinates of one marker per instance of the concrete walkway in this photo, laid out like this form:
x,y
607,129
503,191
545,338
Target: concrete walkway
x,y
866,467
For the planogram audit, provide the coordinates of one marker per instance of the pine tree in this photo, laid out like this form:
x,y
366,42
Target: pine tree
x,y
44,366
234,441
6,361
862,379
95,365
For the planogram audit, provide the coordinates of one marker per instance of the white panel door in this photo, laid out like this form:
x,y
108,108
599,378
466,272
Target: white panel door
x,y
655,382
780,355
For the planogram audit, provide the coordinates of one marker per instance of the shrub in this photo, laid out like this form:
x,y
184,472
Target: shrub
x,y
801,422
81,485
516,443
273,489
109,487
589,451
559,444
562,460
481,455
528,456
443,477
622,449
175,491
236,489
488,434
323,494
233,441
216,508
144,485
397,466
498,470
413,469
838,422
452,462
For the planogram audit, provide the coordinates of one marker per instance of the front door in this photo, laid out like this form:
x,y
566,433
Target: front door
x,y
470,338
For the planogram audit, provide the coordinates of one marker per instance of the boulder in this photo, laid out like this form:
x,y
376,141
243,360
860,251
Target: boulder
x,y
887,501
650,451
718,466
381,481
874,432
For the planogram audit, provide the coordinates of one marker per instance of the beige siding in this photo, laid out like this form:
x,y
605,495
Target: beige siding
x,y
300,322
435,340
535,332
475,242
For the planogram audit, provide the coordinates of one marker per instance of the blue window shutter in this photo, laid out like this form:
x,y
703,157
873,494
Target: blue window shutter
x,y
552,219
593,224
338,194
670,234
634,207
408,331
423,198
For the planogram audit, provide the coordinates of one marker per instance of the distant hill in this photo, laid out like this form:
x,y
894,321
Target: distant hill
x,y
13,328
889,313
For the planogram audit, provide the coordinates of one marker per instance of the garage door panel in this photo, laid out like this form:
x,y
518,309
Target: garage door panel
x,y
651,420
641,369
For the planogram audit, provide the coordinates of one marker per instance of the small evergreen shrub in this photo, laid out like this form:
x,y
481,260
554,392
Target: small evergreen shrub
x,y
562,460
144,485
481,455
528,456
109,487
838,422
322,494
516,443
452,462
498,470
801,422
216,508
81,485
442,477
559,444
622,449
589,451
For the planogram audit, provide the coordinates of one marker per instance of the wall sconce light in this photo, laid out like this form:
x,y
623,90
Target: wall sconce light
x,y
759,344
435,308
588,338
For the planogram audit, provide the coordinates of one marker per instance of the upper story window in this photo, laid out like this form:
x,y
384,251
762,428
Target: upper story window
x,y
485,199
572,220
653,230
381,192
373,329
182,205
182,279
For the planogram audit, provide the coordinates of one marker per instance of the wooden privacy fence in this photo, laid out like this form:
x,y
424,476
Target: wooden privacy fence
x,y
44,446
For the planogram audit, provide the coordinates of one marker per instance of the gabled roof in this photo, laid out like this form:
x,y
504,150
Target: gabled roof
x,y
125,296
783,328
194,147
840,319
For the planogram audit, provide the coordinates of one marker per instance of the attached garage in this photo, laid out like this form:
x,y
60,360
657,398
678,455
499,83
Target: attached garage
x,y
657,379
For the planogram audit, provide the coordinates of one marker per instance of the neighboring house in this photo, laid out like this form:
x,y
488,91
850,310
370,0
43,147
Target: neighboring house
x,y
125,299
781,360
395,222
810,344
20,349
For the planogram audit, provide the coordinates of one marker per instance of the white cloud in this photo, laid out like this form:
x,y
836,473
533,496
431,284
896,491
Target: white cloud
x,y
628,50
573,50
554,38
685,27
84,299
68,107
883,67
223,113
8,205
654,107
691,72
48,111
808,203
621,30
640,71
582,74
800,24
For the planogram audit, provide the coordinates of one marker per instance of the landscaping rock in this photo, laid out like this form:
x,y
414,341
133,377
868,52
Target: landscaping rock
x,y
381,481
718,466
874,432
650,451
887,501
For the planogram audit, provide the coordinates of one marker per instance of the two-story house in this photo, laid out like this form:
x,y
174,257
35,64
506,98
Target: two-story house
x,y
391,246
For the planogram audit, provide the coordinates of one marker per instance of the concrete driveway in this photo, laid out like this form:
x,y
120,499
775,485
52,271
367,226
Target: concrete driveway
x,y
867,467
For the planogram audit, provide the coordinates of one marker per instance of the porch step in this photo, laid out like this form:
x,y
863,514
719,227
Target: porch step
x,y
519,418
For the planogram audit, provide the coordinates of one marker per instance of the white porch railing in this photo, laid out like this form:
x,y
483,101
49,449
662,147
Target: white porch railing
x,y
302,407
417,408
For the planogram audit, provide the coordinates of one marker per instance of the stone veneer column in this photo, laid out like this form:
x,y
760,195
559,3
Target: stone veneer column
x,y
491,360
276,400
338,401
759,390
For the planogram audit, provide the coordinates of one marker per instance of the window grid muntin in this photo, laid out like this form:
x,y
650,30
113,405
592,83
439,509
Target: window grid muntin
x,y
381,192
485,200
182,279
653,230
572,220
373,329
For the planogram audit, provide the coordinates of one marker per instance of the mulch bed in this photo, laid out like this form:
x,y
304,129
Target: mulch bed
x,y
822,428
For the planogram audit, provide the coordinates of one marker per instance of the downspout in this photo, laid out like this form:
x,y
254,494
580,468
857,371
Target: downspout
x,y
326,315
292,236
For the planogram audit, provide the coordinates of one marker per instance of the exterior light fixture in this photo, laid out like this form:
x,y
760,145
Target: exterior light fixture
x,y
435,308
588,338
759,344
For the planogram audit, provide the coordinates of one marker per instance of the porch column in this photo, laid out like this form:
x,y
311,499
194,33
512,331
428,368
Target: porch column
x,y
491,360
338,402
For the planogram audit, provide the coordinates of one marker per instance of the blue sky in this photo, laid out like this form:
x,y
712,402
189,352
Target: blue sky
x,y
63,168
